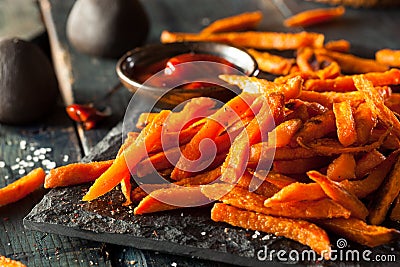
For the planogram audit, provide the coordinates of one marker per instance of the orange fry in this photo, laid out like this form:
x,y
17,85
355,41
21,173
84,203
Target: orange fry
x,y
340,195
365,120
342,168
186,196
314,16
236,161
132,154
385,196
277,179
360,232
296,192
299,166
212,128
283,133
271,63
252,39
345,125
243,199
376,103
22,187
346,83
264,188
76,173
338,45
352,64
244,21
144,119
304,58
388,57
301,231
368,162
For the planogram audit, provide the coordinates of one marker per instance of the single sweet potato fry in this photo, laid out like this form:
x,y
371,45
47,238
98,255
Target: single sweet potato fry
x,y
132,154
346,84
156,201
302,231
296,192
240,22
376,103
277,179
391,141
342,168
345,125
271,63
340,195
284,133
385,196
76,173
353,64
357,230
304,59
22,187
252,39
314,16
365,121
258,186
388,57
316,127
395,213
368,162
338,45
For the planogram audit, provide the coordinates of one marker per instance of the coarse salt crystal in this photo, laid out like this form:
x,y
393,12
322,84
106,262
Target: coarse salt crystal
x,y
21,171
42,156
65,158
2,164
174,264
203,233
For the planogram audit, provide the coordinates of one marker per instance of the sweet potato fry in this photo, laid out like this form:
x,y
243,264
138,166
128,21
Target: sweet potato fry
x,y
156,201
252,39
314,16
346,84
277,179
385,196
144,119
352,64
264,188
76,173
388,57
395,213
391,141
345,125
331,71
376,103
393,102
327,99
357,230
368,162
362,188
212,128
342,168
7,262
241,22
296,192
316,127
132,154
22,187
236,161
365,120
243,199
271,63
283,133
291,88
126,188
340,195
305,56
302,231
338,45
299,166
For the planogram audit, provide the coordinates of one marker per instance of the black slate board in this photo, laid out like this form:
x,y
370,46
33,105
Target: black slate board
x,y
188,232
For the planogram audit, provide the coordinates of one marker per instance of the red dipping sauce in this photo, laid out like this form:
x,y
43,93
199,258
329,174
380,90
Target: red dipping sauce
x,y
173,73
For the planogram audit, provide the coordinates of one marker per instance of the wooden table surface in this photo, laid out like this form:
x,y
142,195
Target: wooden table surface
x,y
58,141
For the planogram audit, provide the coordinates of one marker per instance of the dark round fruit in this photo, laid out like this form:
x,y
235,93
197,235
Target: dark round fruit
x,y
28,85
107,28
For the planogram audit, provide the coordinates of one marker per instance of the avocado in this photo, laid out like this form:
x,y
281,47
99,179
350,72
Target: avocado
x,y
28,85
107,28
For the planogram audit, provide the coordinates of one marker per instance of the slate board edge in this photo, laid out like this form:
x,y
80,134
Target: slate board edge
x,y
148,244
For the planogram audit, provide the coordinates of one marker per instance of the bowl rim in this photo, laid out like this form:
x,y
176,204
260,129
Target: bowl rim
x,y
131,83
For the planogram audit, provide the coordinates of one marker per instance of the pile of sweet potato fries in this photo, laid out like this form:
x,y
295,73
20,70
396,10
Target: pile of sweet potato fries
x,y
334,146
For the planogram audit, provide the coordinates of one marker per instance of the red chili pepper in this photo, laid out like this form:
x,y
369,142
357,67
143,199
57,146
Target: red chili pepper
x,y
85,114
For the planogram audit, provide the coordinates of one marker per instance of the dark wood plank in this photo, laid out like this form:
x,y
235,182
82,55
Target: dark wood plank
x,y
50,143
